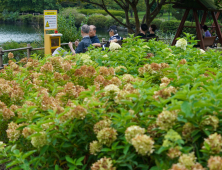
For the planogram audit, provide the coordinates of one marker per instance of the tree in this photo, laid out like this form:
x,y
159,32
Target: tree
x,y
29,5
126,5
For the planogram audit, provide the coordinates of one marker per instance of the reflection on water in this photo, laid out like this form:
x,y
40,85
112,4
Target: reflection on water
x,y
19,33
30,33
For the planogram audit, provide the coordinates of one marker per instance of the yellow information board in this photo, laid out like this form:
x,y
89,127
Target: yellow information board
x,y
51,41
50,20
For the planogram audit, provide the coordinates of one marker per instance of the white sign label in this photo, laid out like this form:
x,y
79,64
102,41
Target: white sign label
x,y
50,20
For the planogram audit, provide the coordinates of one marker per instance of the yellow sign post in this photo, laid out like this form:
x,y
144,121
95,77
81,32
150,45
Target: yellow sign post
x,y
51,41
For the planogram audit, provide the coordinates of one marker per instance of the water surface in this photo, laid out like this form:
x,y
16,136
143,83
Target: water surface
x,y
30,33
19,33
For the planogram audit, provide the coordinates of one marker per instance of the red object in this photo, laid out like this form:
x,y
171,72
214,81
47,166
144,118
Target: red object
x,y
56,32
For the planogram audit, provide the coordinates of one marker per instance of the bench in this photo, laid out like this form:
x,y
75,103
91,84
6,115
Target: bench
x,y
208,41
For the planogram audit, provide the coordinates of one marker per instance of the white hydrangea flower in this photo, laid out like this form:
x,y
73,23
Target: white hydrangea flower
x,y
181,43
86,59
39,141
111,89
132,131
120,69
2,145
114,46
145,46
202,51
143,144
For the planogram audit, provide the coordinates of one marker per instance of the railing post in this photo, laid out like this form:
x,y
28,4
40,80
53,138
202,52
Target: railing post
x,y
28,51
1,53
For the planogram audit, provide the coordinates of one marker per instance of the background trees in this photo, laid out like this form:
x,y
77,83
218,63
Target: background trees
x,y
28,5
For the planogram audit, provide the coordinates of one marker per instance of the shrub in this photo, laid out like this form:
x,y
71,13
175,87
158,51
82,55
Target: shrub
x,y
111,21
97,11
75,113
132,22
1,17
169,26
79,19
9,16
39,19
26,18
69,11
18,55
67,27
157,22
98,20
190,30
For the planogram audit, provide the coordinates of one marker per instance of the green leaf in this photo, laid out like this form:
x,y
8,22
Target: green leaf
x,y
79,161
162,149
186,108
56,167
70,160
3,161
126,149
28,154
127,165
11,163
106,150
155,168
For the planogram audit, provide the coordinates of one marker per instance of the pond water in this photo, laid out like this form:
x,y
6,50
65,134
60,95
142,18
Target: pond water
x,y
19,33
30,33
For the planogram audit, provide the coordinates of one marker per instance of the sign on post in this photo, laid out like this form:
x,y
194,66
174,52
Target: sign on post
x,y
50,19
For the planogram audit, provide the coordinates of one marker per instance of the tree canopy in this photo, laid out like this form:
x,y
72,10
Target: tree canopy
x,y
28,5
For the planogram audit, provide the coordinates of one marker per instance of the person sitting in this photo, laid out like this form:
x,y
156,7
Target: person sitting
x,y
143,29
86,42
93,37
152,30
114,37
207,32
113,34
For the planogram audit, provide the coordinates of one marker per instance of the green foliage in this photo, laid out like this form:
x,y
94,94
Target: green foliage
x,y
38,19
28,5
169,26
157,22
67,105
26,18
111,21
98,20
3,128
97,11
67,27
66,12
9,16
18,55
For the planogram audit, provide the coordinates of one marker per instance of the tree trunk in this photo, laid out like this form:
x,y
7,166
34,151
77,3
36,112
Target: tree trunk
x,y
127,20
136,17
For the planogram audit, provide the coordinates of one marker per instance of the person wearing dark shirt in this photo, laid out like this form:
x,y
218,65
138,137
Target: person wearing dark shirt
x,y
86,42
143,29
93,37
152,30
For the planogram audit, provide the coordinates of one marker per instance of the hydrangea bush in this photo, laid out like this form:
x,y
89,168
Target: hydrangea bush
x,y
143,106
